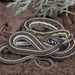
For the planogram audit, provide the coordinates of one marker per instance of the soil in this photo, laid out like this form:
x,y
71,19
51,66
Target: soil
x,y
66,67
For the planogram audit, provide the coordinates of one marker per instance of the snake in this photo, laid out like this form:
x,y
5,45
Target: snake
x,y
46,44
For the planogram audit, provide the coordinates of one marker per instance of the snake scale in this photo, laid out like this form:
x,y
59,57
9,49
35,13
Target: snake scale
x,y
47,44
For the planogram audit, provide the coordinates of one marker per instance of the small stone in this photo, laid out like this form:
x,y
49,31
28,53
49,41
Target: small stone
x,y
59,19
15,22
38,28
1,8
72,9
66,20
2,21
72,29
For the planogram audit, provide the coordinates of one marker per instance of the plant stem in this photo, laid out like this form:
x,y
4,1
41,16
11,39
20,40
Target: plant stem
x,y
69,12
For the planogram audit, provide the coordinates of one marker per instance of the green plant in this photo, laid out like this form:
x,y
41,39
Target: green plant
x,y
44,5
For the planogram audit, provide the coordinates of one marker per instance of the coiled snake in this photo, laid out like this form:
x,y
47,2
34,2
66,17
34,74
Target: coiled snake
x,y
47,44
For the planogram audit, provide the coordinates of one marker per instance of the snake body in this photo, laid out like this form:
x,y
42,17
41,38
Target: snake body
x,y
47,44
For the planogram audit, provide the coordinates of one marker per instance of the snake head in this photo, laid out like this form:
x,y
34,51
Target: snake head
x,y
54,40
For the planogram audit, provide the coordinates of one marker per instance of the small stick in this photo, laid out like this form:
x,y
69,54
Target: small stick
x,y
69,12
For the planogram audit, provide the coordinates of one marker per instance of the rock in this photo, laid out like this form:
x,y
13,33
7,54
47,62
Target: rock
x,y
66,20
72,16
15,22
2,6
38,28
59,19
67,27
72,29
2,21
72,9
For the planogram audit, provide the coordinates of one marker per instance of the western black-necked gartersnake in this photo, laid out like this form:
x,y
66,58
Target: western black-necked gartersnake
x,y
47,44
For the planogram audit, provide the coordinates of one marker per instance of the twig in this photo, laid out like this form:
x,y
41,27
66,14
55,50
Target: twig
x,y
69,12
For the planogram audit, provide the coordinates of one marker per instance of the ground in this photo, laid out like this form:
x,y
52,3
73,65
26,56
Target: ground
x,y
14,23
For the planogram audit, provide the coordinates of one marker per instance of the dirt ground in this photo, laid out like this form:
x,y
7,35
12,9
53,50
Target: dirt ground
x,y
14,23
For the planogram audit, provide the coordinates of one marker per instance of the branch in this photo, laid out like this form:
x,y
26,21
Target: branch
x,y
69,12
